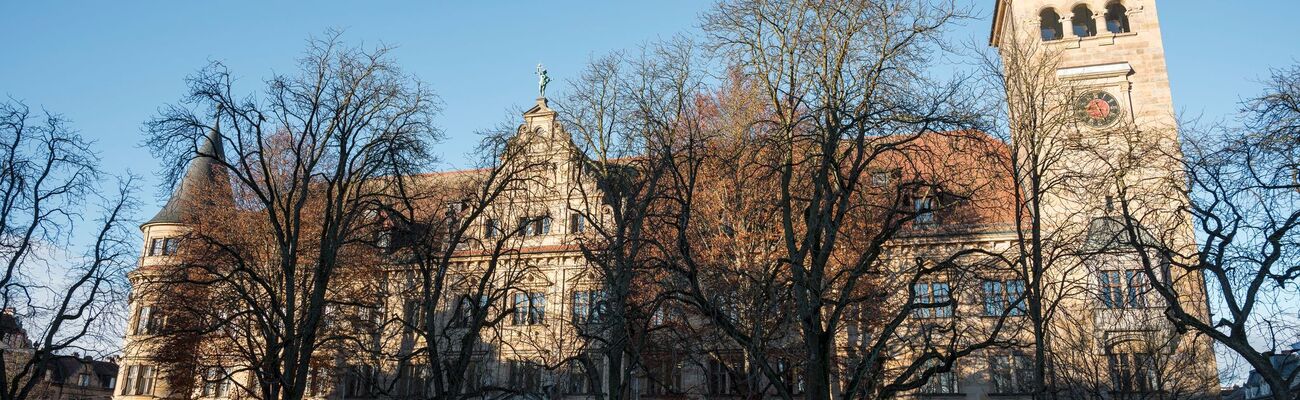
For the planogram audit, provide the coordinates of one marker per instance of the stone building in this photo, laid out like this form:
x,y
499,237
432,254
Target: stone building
x,y
1111,343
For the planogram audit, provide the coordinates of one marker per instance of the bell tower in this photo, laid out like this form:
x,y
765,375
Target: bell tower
x,y
1111,51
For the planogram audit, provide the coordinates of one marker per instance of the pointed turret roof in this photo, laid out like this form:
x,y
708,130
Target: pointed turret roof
x,y
203,175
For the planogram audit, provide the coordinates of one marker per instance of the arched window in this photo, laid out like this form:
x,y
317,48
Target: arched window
x,y
1116,18
1082,22
1050,24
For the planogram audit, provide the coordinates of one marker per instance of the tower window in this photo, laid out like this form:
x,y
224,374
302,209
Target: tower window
x,y
1116,18
1050,24
1082,22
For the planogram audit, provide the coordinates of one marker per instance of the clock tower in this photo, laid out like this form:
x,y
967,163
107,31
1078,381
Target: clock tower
x,y
1088,90
1110,51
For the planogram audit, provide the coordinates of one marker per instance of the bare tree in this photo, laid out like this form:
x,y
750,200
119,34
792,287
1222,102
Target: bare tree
x,y
55,301
781,239
305,158
625,112
444,219
1048,171
1243,190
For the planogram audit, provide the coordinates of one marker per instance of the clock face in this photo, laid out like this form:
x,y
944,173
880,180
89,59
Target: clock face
x,y
1097,108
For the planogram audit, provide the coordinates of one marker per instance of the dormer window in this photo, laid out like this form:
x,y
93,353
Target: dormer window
x,y
1116,18
881,178
1050,24
924,208
1082,22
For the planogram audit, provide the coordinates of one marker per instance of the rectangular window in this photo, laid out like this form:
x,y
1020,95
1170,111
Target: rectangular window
x,y
880,179
525,376
928,294
940,382
1000,296
412,380
663,377
722,378
534,226
155,246
577,223
143,323
490,228
465,309
588,306
1123,289
1011,373
144,385
216,383
1112,289
924,207
413,314
83,380
577,379
1132,372
1138,286
132,375
530,308
525,227
163,246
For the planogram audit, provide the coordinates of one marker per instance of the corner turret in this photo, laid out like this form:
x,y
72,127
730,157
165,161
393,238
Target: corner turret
x,y
203,175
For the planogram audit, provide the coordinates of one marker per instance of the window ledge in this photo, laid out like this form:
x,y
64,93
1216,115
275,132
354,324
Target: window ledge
x,y
1093,37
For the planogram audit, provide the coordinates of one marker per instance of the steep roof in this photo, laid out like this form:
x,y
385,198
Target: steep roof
x,y
204,173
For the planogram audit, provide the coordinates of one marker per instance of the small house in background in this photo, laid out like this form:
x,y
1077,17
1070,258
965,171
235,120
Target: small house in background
x,y
1286,361
77,377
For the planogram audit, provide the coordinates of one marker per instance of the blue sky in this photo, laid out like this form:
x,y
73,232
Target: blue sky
x,y
109,65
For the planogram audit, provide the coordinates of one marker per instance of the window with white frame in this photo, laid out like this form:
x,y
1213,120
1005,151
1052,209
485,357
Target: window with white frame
x,y
1123,289
577,223
929,297
529,308
588,306
1004,296
924,208
535,226
164,246
1132,371
940,382
1012,373
216,383
139,380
